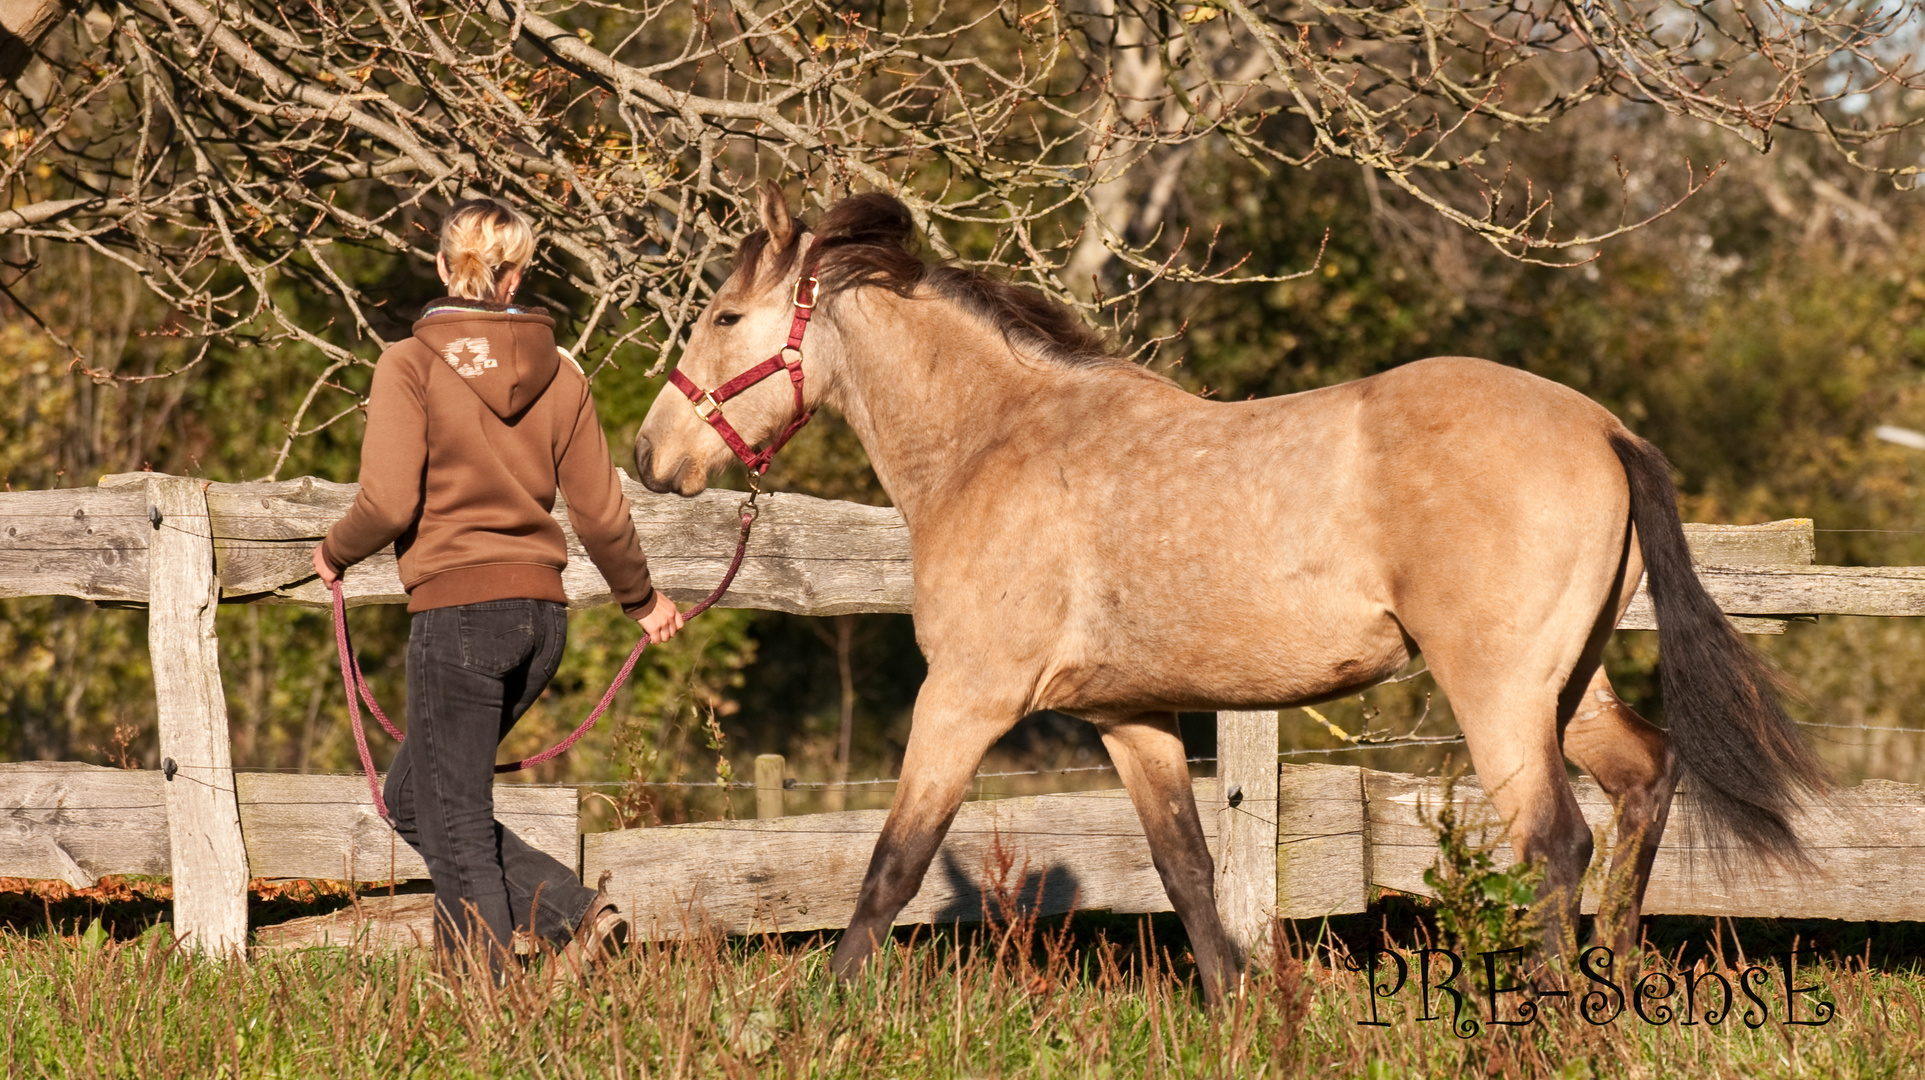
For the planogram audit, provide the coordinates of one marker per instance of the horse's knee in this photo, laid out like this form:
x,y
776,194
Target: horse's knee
x,y
1187,875
896,880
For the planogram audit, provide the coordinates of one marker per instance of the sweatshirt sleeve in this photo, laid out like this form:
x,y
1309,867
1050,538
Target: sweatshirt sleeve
x,y
600,512
394,456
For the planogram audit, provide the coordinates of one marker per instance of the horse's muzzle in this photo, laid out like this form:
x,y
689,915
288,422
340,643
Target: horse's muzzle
x,y
685,479
644,466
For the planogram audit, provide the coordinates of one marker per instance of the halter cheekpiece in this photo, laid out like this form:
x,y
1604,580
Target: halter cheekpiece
x,y
708,404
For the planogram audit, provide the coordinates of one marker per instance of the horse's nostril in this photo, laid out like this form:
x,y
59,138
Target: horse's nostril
x,y
644,456
645,468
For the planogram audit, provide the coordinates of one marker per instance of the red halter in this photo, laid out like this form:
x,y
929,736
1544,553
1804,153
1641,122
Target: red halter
x,y
708,405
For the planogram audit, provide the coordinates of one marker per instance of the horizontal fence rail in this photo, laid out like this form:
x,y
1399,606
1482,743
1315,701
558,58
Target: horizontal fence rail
x,y
1299,841
79,823
807,556
1337,835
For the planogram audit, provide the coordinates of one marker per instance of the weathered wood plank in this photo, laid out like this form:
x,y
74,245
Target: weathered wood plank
x,y
75,822
263,531
1869,841
1063,852
1246,861
84,542
1831,590
1322,860
375,923
326,827
1807,590
801,873
207,858
1642,616
1792,542
371,923
808,556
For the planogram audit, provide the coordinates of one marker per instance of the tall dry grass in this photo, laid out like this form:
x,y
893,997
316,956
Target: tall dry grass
x,y
1086,997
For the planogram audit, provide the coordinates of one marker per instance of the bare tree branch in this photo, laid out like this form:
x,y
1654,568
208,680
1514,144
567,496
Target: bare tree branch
x,y
250,161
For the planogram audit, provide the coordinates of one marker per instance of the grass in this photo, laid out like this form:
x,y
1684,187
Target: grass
x,y
95,990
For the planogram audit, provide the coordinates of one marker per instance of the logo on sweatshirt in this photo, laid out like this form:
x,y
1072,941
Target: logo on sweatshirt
x,y
476,359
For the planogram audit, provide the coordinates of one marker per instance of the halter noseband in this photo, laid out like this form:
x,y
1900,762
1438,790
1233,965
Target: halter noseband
x,y
708,404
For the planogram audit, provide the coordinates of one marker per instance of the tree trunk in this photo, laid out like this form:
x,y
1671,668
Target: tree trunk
x,y
23,23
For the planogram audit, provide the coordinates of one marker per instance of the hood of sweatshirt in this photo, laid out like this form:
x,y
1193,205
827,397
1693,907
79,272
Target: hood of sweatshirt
x,y
507,356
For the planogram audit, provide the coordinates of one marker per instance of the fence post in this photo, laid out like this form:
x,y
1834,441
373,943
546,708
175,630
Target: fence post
x,y
209,862
1246,864
768,785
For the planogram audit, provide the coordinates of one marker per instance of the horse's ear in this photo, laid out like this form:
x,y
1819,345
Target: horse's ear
x,y
774,209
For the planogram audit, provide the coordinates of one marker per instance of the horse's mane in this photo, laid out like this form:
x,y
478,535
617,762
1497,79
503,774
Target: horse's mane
x,y
869,240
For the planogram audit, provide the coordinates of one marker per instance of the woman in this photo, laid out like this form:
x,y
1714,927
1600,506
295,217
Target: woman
x,y
474,423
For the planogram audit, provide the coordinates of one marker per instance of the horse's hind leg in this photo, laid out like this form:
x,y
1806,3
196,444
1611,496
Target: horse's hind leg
x,y
1149,754
951,732
1631,760
1509,724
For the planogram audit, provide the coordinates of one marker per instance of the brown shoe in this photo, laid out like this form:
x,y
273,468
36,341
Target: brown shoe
x,y
603,932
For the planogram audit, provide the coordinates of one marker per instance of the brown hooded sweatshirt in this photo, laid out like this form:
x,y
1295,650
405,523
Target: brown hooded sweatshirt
x,y
473,424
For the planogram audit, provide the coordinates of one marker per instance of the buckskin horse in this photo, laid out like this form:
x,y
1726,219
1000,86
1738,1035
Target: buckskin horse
x,y
1090,538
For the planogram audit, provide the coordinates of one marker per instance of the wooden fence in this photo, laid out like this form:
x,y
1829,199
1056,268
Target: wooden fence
x,y
1291,840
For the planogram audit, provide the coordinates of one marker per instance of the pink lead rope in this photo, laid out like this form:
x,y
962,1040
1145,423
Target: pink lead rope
x,y
358,691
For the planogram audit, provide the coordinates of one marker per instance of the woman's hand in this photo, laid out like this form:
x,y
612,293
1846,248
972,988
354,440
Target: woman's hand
x,y
660,620
323,569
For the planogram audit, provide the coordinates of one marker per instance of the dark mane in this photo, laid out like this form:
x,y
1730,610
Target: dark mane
x,y
869,240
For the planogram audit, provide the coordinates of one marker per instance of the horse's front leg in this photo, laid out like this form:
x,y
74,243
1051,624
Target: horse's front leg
x,y
1148,753
952,729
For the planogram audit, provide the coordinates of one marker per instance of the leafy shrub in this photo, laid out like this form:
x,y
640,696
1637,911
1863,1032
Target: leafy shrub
x,y
1480,908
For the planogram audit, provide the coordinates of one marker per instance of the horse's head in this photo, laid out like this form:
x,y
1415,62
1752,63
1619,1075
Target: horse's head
x,y
749,320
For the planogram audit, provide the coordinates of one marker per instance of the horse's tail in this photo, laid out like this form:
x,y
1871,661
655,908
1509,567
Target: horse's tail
x,y
1733,738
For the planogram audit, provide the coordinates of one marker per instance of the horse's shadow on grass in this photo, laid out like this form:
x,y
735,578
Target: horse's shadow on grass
x,y
1028,893
1042,905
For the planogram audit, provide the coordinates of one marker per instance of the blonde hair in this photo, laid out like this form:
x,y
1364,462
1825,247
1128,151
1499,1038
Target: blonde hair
x,y
481,241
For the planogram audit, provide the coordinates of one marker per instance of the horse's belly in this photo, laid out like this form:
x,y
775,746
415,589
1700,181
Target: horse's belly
x,y
1227,663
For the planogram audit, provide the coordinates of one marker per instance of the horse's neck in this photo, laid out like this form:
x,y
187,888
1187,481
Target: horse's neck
x,y
926,386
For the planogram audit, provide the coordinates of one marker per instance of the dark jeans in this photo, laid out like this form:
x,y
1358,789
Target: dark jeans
x,y
472,671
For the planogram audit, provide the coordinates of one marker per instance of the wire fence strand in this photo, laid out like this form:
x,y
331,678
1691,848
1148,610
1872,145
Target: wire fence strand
x,y
883,781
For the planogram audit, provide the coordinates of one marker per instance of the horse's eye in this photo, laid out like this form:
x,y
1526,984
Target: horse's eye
x,y
727,318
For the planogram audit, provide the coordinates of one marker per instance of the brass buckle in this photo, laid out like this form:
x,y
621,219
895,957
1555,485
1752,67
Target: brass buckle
x,y
706,407
813,287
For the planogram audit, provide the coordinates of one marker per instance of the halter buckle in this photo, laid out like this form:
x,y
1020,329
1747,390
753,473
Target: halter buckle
x,y
706,406
808,287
